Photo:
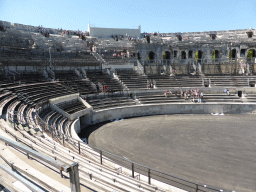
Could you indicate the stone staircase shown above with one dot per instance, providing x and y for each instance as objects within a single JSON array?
[
  {"x": 132, "y": 79},
  {"x": 110, "y": 84}
]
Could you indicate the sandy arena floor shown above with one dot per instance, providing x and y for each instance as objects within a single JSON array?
[{"x": 218, "y": 151}]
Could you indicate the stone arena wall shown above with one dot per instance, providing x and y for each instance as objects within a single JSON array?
[{"x": 162, "y": 109}]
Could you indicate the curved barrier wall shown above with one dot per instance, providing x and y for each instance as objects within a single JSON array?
[
  {"x": 160, "y": 109},
  {"x": 177, "y": 108},
  {"x": 147, "y": 174}
]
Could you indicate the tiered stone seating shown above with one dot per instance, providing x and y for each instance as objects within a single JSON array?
[
  {"x": 14, "y": 79},
  {"x": 58, "y": 122},
  {"x": 30, "y": 77},
  {"x": 221, "y": 98},
  {"x": 13, "y": 107},
  {"x": 221, "y": 36},
  {"x": 164, "y": 80},
  {"x": 55, "y": 121},
  {"x": 251, "y": 97},
  {"x": 68, "y": 42},
  {"x": 110, "y": 102},
  {"x": 51, "y": 118},
  {"x": 21, "y": 111},
  {"x": 70, "y": 79},
  {"x": 6, "y": 101},
  {"x": 24, "y": 98},
  {"x": 81, "y": 86},
  {"x": 6, "y": 83},
  {"x": 41, "y": 42},
  {"x": 66, "y": 75},
  {"x": 34, "y": 93},
  {"x": 60, "y": 125},
  {"x": 4, "y": 94},
  {"x": 89, "y": 59},
  {"x": 108, "y": 57},
  {"x": 159, "y": 98},
  {"x": 191, "y": 81},
  {"x": 16, "y": 38},
  {"x": 178, "y": 81},
  {"x": 111, "y": 84},
  {"x": 230, "y": 81},
  {"x": 25, "y": 48},
  {"x": 132, "y": 79},
  {"x": 102, "y": 177},
  {"x": 71, "y": 106}
]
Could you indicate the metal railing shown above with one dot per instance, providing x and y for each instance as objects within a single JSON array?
[
  {"x": 109, "y": 159},
  {"x": 25, "y": 182},
  {"x": 71, "y": 169}
]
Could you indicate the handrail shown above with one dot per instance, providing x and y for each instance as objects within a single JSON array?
[
  {"x": 82, "y": 148},
  {"x": 37, "y": 155},
  {"x": 25, "y": 182},
  {"x": 71, "y": 169}
]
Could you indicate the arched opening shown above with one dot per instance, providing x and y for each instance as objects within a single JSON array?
[
  {"x": 175, "y": 54},
  {"x": 213, "y": 36},
  {"x": 166, "y": 55},
  {"x": 249, "y": 34},
  {"x": 179, "y": 37},
  {"x": 215, "y": 55},
  {"x": 190, "y": 54},
  {"x": 183, "y": 55},
  {"x": 151, "y": 55},
  {"x": 198, "y": 55},
  {"x": 2, "y": 28},
  {"x": 251, "y": 53},
  {"x": 242, "y": 52},
  {"x": 148, "y": 39},
  {"x": 232, "y": 54},
  {"x": 138, "y": 56}
]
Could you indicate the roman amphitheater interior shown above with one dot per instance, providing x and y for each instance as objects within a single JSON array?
[{"x": 57, "y": 83}]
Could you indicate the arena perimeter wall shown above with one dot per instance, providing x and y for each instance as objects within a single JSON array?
[{"x": 162, "y": 109}]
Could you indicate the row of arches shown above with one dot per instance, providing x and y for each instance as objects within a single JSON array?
[
  {"x": 251, "y": 53},
  {"x": 167, "y": 55},
  {"x": 198, "y": 54}
]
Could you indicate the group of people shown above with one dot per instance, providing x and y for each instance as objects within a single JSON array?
[
  {"x": 43, "y": 31},
  {"x": 145, "y": 34},
  {"x": 121, "y": 37},
  {"x": 117, "y": 55},
  {"x": 81, "y": 34},
  {"x": 116, "y": 37},
  {"x": 193, "y": 95}
]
